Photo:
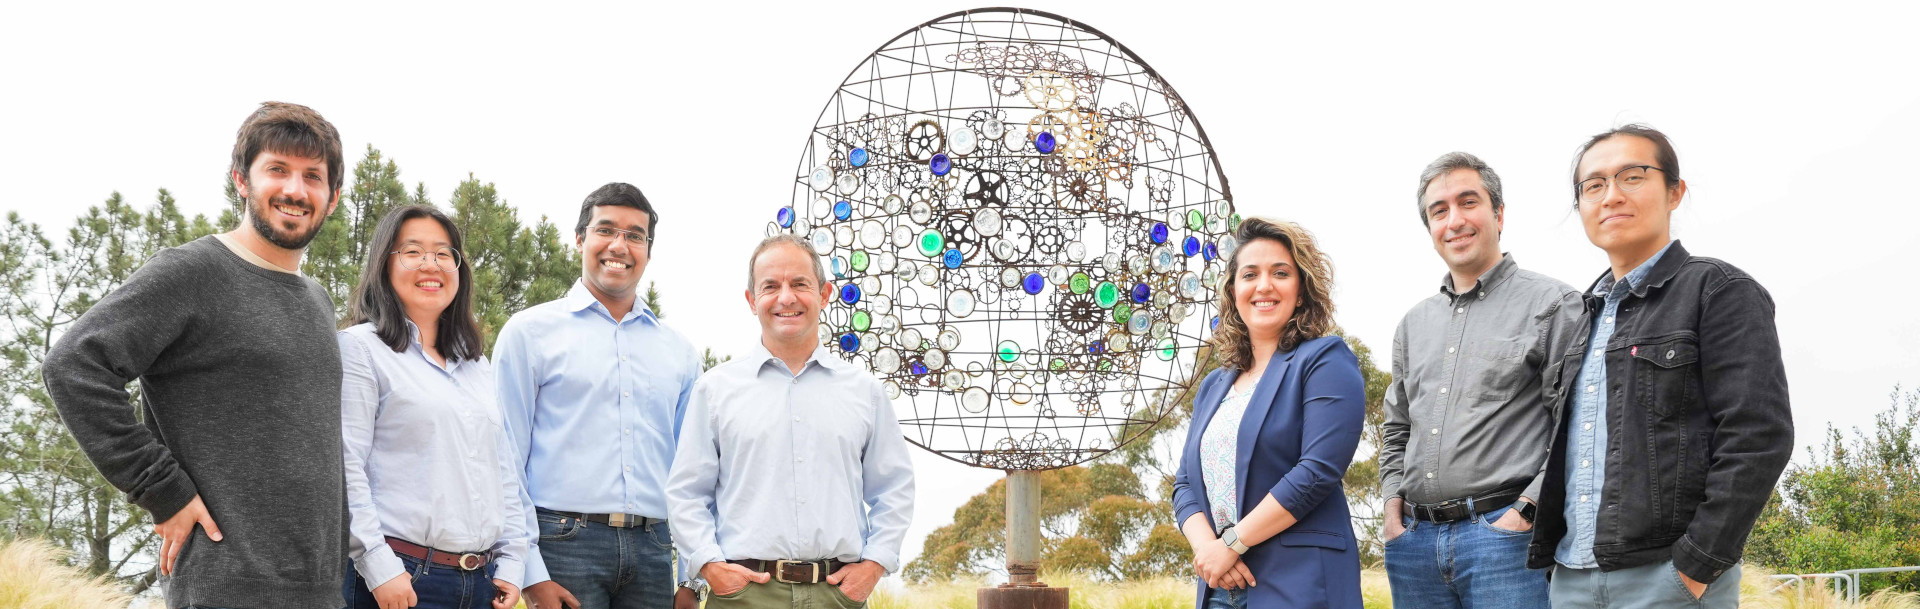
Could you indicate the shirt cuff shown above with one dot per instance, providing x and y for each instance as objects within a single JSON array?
[
  {"x": 379, "y": 565},
  {"x": 510, "y": 570},
  {"x": 535, "y": 568},
  {"x": 698, "y": 559},
  {"x": 888, "y": 561}
]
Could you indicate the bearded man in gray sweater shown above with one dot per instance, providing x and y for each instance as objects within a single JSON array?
[{"x": 236, "y": 451}]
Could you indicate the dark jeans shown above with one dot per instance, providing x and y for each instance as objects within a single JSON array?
[
  {"x": 606, "y": 567},
  {"x": 1468, "y": 563},
  {"x": 437, "y": 586},
  {"x": 1222, "y": 598}
]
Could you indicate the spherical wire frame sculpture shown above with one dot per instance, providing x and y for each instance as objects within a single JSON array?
[{"x": 1024, "y": 226}]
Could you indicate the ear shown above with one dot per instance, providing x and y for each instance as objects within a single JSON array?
[
  {"x": 1500, "y": 220},
  {"x": 748, "y": 293},
  {"x": 826, "y": 293},
  {"x": 1679, "y": 191},
  {"x": 239, "y": 184},
  {"x": 332, "y": 205}
]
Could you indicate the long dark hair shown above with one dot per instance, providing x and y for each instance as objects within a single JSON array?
[{"x": 458, "y": 337}]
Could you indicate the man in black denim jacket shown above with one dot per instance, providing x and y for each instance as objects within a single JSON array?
[{"x": 1667, "y": 447}]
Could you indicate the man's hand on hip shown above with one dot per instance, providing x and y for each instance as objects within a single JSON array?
[
  {"x": 856, "y": 580},
  {"x": 175, "y": 532},
  {"x": 727, "y": 578},
  {"x": 549, "y": 595}
]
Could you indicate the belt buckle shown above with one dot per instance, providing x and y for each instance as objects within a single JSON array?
[
  {"x": 618, "y": 521},
  {"x": 479, "y": 560},
  {"x": 780, "y": 571}
]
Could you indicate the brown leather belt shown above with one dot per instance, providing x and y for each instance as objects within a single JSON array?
[
  {"x": 1455, "y": 510},
  {"x": 794, "y": 571},
  {"x": 618, "y": 521},
  {"x": 465, "y": 561}
]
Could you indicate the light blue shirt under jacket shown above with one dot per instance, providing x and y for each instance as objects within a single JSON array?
[
  {"x": 1587, "y": 426},
  {"x": 427, "y": 459},
  {"x": 774, "y": 465},
  {"x": 594, "y": 406}
]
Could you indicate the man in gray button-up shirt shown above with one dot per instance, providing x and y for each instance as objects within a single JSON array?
[{"x": 1468, "y": 417}]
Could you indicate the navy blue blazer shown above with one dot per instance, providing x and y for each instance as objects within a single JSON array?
[{"x": 1300, "y": 431}]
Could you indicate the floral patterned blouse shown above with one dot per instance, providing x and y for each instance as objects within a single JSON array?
[{"x": 1219, "y": 447}]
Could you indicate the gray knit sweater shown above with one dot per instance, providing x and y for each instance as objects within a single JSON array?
[{"x": 240, "y": 385}]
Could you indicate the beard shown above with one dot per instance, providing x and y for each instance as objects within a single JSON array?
[{"x": 283, "y": 240}]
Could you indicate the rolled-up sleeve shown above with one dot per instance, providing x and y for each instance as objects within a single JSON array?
[{"x": 1334, "y": 410}]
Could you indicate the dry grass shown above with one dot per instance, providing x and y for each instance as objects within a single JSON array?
[
  {"x": 1755, "y": 593},
  {"x": 33, "y": 577}
]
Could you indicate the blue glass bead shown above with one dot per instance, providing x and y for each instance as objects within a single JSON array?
[
  {"x": 1044, "y": 143},
  {"x": 1098, "y": 347},
  {"x": 951, "y": 259},
  {"x": 784, "y": 217},
  {"x": 850, "y": 293},
  {"x": 1191, "y": 246},
  {"x": 1159, "y": 232},
  {"x": 919, "y": 368},
  {"x": 1215, "y": 325},
  {"x": 1141, "y": 292},
  {"x": 1212, "y": 251},
  {"x": 842, "y": 210},
  {"x": 849, "y": 342},
  {"x": 858, "y": 157},
  {"x": 940, "y": 164},
  {"x": 1034, "y": 283}
]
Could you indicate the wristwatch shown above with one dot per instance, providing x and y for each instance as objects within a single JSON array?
[
  {"x": 1526, "y": 510},
  {"x": 699, "y": 587},
  {"x": 1232, "y": 539}
]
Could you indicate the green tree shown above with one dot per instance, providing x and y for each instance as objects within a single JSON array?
[
  {"x": 337, "y": 255},
  {"x": 521, "y": 266},
  {"x": 1855, "y": 503},
  {"x": 51, "y": 490},
  {"x": 1099, "y": 518}
]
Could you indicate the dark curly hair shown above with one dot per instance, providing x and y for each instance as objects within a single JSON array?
[{"x": 1312, "y": 318}]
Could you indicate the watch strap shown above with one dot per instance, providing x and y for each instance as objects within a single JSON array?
[{"x": 1232, "y": 538}]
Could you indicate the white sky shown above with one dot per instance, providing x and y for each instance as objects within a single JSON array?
[{"x": 1795, "y": 126}]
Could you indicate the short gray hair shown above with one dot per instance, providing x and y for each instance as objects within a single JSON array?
[
  {"x": 1453, "y": 161},
  {"x": 819, "y": 272}
]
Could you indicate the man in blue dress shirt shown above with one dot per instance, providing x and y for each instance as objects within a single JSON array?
[
  {"x": 593, "y": 388},
  {"x": 793, "y": 486}
]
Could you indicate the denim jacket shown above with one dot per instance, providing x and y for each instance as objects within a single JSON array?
[{"x": 1699, "y": 428}]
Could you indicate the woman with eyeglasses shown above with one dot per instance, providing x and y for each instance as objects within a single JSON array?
[
  {"x": 1258, "y": 491},
  {"x": 1673, "y": 424},
  {"x": 434, "y": 506}
]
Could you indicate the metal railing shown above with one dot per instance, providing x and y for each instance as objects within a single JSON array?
[{"x": 1845, "y": 582}]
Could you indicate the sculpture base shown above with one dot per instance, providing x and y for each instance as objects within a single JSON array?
[{"x": 1023, "y": 596}]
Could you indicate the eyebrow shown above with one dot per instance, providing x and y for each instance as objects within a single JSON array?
[
  {"x": 632, "y": 227},
  {"x": 419, "y": 242},
  {"x": 1256, "y": 266}
]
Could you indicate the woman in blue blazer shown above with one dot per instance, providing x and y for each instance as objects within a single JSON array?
[{"x": 1258, "y": 491}]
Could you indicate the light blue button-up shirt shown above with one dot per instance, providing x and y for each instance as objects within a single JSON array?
[
  {"x": 427, "y": 459},
  {"x": 774, "y": 465},
  {"x": 1586, "y": 465},
  {"x": 594, "y": 406}
]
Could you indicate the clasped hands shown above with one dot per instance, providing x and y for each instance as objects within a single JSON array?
[{"x": 1220, "y": 566}]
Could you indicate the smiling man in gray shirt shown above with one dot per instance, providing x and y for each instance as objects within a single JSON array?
[{"x": 1468, "y": 416}]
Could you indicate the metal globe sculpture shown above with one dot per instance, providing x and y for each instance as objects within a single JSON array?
[{"x": 1024, "y": 226}]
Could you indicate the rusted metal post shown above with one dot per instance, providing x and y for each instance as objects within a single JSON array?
[{"x": 1023, "y": 589}]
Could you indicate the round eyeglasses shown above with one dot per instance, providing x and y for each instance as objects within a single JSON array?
[
  {"x": 413, "y": 258},
  {"x": 1627, "y": 180}
]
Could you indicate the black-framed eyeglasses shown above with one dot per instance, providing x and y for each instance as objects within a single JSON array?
[
  {"x": 413, "y": 258},
  {"x": 634, "y": 237},
  {"x": 1628, "y": 180}
]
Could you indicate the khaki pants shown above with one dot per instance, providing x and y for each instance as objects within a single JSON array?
[{"x": 776, "y": 595}]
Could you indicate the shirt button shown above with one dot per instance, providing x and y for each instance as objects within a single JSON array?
[
  {"x": 1443, "y": 390},
  {"x": 1609, "y": 319},
  {"x": 1460, "y": 310},
  {"x": 1449, "y": 349},
  {"x": 800, "y": 460},
  {"x": 1586, "y": 427},
  {"x": 1590, "y": 388},
  {"x": 1596, "y": 353},
  {"x": 1586, "y": 463},
  {"x": 629, "y": 469},
  {"x": 1669, "y": 354},
  {"x": 1436, "y": 431},
  {"x": 796, "y": 419},
  {"x": 626, "y": 394},
  {"x": 627, "y": 431},
  {"x": 1583, "y": 498},
  {"x": 803, "y": 499},
  {"x": 1429, "y": 474}
]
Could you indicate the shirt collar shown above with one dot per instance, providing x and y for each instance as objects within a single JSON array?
[
  {"x": 579, "y": 299},
  {"x": 1636, "y": 279},
  {"x": 1487, "y": 281},
  {"x": 828, "y": 362}
]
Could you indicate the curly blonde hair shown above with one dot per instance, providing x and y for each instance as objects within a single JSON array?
[{"x": 1312, "y": 318}]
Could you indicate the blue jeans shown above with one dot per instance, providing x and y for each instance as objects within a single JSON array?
[
  {"x": 1468, "y": 564},
  {"x": 607, "y": 567},
  {"x": 1222, "y": 598},
  {"x": 1652, "y": 586},
  {"x": 437, "y": 586}
]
